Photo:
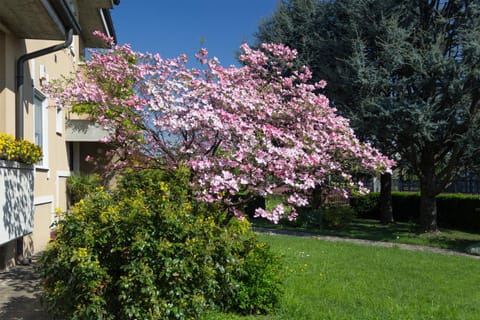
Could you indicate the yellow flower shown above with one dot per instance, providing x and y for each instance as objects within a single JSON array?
[
  {"x": 82, "y": 253},
  {"x": 163, "y": 186},
  {"x": 19, "y": 150}
]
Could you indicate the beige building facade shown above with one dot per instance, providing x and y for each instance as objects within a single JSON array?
[{"x": 36, "y": 36}]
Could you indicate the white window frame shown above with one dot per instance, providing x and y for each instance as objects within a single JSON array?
[{"x": 40, "y": 97}]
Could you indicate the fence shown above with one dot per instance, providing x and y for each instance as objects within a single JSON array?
[{"x": 471, "y": 186}]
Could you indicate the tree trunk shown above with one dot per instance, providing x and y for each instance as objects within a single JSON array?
[
  {"x": 428, "y": 212},
  {"x": 316, "y": 200},
  {"x": 428, "y": 202},
  {"x": 386, "y": 212}
]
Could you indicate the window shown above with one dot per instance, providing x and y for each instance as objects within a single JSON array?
[{"x": 41, "y": 126}]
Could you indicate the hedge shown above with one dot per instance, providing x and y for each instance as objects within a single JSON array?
[{"x": 455, "y": 211}]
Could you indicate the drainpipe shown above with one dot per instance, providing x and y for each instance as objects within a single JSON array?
[{"x": 20, "y": 68}]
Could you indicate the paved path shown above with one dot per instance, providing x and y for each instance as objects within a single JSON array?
[{"x": 19, "y": 294}]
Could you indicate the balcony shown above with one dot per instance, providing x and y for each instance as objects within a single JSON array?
[
  {"x": 16, "y": 200},
  {"x": 83, "y": 130}
]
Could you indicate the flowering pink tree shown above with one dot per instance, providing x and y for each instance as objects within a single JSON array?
[{"x": 259, "y": 129}]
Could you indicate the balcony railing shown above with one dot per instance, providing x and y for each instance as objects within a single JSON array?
[{"x": 16, "y": 200}]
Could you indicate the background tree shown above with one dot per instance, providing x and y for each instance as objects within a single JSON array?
[
  {"x": 323, "y": 34},
  {"x": 413, "y": 66},
  {"x": 428, "y": 67},
  {"x": 317, "y": 30}
]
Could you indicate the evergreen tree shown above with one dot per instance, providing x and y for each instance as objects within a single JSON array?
[
  {"x": 317, "y": 31},
  {"x": 425, "y": 81},
  {"x": 323, "y": 34},
  {"x": 412, "y": 73}
]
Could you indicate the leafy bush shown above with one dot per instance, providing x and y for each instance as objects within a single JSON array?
[
  {"x": 367, "y": 205},
  {"x": 256, "y": 292},
  {"x": 307, "y": 218},
  {"x": 459, "y": 211},
  {"x": 79, "y": 185},
  {"x": 148, "y": 251},
  {"x": 19, "y": 150},
  {"x": 338, "y": 216},
  {"x": 406, "y": 206}
]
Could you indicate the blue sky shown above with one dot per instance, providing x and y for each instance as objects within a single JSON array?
[{"x": 172, "y": 27}]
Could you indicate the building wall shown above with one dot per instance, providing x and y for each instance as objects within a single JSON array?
[
  {"x": 50, "y": 177},
  {"x": 42, "y": 221},
  {"x": 9, "y": 48},
  {"x": 9, "y": 51}
]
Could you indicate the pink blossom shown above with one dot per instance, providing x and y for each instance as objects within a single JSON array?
[
  {"x": 202, "y": 55},
  {"x": 246, "y": 129},
  {"x": 293, "y": 215}
]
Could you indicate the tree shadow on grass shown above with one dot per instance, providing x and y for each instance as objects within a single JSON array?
[
  {"x": 451, "y": 243},
  {"x": 402, "y": 232},
  {"x": 371, "y": 230}
]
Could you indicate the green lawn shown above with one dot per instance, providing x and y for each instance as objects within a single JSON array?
[
  {"x": 398, "y": 233},
  {"x": 330, "y": 280}
]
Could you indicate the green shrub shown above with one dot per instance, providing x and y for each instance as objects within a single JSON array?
[
  {"x": 338, "y": 216},
  {"x": 257, "y": 294},
  {"x": 367, "y": 205},
  {"x": 454, "y": 210},
  {"x": 406, "y": 206},
  {"x": 307, "y": 218},
  {"x": 459, "y": 211},
  {"x": 79, "y": 185},
  {"x": 148, "y": 251}
]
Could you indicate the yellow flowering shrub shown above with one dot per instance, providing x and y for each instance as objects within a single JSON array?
[
  {"x": 148, "y": 250},
  {"x": 19, "y": 150}
]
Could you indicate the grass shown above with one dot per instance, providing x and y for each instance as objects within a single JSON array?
[
  {"x": 336, "y": 280},
  {"x": 397, "y": 233}
]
